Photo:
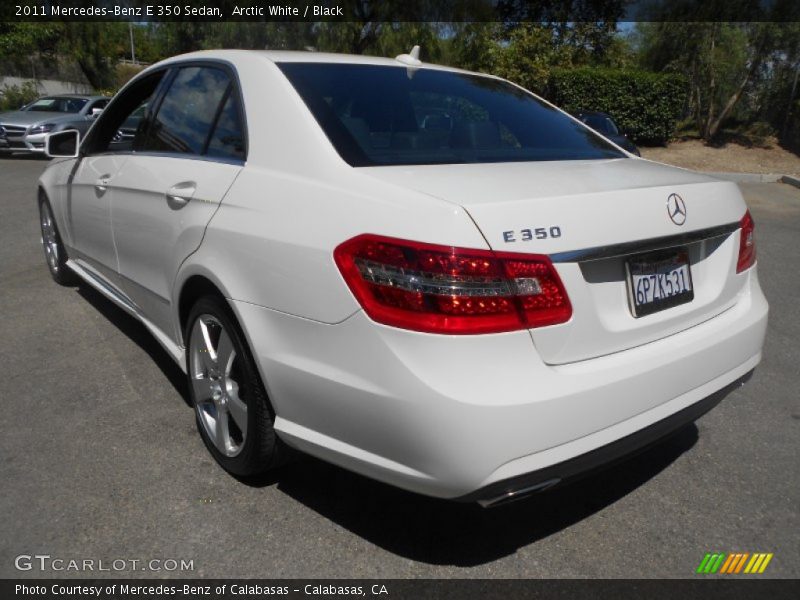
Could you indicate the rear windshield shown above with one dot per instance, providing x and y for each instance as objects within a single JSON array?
[{"x": 384, "y": 115}]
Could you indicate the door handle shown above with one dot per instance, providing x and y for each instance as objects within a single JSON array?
[
  {"x": 180, "y": 193},
  {"x": 101, "y": 185}
]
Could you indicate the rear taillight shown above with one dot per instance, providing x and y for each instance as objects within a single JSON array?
[
  {"x": 441, "y": 289},
  {"x": 747, "y": 244}
]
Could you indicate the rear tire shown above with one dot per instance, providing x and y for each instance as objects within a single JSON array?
[
  {"x": 232, "y": 410},
  {"x": 54, "y": 252}
]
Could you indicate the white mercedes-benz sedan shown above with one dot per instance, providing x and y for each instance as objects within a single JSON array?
[{"x": 428, "y": 276}]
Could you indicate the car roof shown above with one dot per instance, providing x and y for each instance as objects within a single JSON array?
[
  {"x": 307, "y": 56},
  {"x": 80, "y": 96}
]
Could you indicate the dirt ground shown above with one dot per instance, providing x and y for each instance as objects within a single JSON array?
[{"x": 694, "y": 154}]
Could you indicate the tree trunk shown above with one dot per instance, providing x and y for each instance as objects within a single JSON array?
[
  {"x": 696, "y": 98},
  {"x": 712, "y": 87},
  {"x": 790, "y": 110},
  {"x": 734, "y": 99},
  {"x": 697, "y": 109}
]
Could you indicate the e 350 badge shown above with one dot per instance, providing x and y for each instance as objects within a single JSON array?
[{"x": 536, "y": 233}]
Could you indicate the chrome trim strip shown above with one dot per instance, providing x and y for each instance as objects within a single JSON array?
[
  {"x": 659, "y": 243},
  {"x": 202, "y": 157}
]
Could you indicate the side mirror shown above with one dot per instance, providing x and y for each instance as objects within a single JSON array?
[
  {"x": 96, "y": 112},
  {"x": 63, "y": 144}
]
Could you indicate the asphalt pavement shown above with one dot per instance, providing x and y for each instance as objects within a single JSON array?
[{"x": 100, "y": 459}]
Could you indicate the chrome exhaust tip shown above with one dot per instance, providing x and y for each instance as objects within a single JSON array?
[{"x": 519, "y": 494}]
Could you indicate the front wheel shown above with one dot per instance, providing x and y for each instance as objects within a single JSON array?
[
  {"x": 54, "y": 251},
  {"x": 233, "y": 413}
]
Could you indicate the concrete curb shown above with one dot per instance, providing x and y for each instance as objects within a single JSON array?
[
  {"x": 788, "y": 179},
  {"x": 756, "y": 178},
  {"x": 749, "y": 177}
]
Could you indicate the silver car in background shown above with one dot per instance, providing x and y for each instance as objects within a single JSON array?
[{"x": 24, "y": 130}]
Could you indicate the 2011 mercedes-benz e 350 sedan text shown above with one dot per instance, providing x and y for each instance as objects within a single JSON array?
[{"x": 427, "y": 276}]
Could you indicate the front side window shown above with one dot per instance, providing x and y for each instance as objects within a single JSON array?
[
  {"x": 188, "y": 111},
  {"x": 386, "y": 115},
  {"x": 58, "y": 104},
  {"x": 122, "y": 125},
  {"x": 199, "y": 114}
]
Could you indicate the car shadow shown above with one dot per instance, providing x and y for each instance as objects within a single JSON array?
[
  {"x": 443, "y": 532},
  {"x": 25, "y": 156},
  {"x": 416, "y": 527},
  {"x": 138, "y": 334}
]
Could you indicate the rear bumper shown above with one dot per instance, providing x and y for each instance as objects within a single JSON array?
[
  {"x": 467, "y": 416},
  {"x": 600, "y": 458}
]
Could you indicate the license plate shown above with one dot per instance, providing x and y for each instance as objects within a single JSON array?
[{"x": 658, "y": 281}]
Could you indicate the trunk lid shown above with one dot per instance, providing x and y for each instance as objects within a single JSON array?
[{"x": 592, "y": 216}]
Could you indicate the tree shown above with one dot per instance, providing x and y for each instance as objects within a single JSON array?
[
  {"x": 21, "y": 43},
  {"x": 26, "y": 39},
  {"x": 474, "y": 46},
  {"x": 259, "y": 36},
  {"x": 532, "y": 52},
  {"x": 96, "y": 47},
  {"x": 724, "y": 61},
  {"x": 527, "y": 52}
]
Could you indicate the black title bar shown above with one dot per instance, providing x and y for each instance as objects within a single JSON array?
[
  {"x": 441, "y": 11},
  {"x": 394, "y": 589}
]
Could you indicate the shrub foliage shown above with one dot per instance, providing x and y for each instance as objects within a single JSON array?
[
  {"x": 645, "y": 105},
  {"x": 13, "y": 97}
]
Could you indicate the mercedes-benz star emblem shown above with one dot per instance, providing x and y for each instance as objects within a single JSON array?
[{"x": 676, "y": 209}]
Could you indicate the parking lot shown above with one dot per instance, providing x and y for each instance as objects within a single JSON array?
[{"x": 100, "y": 459}]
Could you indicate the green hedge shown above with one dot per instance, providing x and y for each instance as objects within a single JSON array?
[
  {"x": 13, "y": 97},
  {"x": 645, "y": 105}
]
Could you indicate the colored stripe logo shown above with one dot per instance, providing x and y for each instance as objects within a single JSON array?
[{"x": 734, "y": 563}]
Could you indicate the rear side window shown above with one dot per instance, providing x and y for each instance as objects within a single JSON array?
[
  {"x": 387, "y": 115},
  {"x": 227, "y": 139},
  {"x": 187, "y": 113}
]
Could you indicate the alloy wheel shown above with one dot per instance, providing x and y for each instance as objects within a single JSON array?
[
  {"x": 49, "y": 237},
  {"x": 216, "y": 376}
]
